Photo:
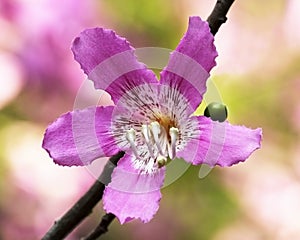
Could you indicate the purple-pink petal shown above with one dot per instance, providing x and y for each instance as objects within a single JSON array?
[
  {"x": 191, "y": 92},
  {"x": 133, "y": 195},
  {"x": 189, "y": 65},
  {"x": 198, "y": 43},
  {"x": 109, "y": 61},
  {"x": 79, "y": 137},
  {"x": 221, "y": 144}
]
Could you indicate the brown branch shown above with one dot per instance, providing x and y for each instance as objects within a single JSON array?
[
  {"x": 83, "y": 207},
  {"x": 218, "y": 15},
  {"x": 101, "y": 228}
]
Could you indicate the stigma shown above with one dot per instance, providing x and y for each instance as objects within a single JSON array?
[{"x": 158, "y": 140}]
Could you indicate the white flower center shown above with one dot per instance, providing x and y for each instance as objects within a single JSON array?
[
  {"x": 161, "y": 144},
  {"x": 154, "y": 122}
]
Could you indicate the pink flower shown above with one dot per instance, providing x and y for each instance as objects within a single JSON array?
[{"x": 151, "y": 120}]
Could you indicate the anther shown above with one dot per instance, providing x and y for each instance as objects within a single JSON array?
[
  {"x": 131, "y": 136},
  {"x": 155, "y": 129},
  {"x": 161, "y": 161},
  {"x": 172, "y": 147},
  {"x": 145, "y": 131},
  {"x": 146, "y": 134}
]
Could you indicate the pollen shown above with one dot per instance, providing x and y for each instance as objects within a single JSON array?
[{"x": 166, "y": 122}]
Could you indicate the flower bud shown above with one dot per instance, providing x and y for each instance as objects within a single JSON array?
[{"x": 216, "y": 111}]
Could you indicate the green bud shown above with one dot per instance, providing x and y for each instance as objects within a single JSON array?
[{"x": 216, "y": 111}]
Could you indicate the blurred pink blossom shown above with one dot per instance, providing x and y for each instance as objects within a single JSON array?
[
  {"x": 46, "y": 29},
  {"x": 269, "y": 194},
  {"x": 43, "y": 189},
  {"x": 37, "y": 34},
  {"x": 10, "y": 80},
  {"x": 291, "y": 24}
]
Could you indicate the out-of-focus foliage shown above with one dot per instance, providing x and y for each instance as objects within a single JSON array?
[{"x": 147, "y": 23}]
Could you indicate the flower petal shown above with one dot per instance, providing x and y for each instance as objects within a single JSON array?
[
  {"x": 189, "y": 65},
  {"x": 221, "y": 144},
  {"x": 198, "y": 43},
  {"x": 109, "y": 61},
  {"x": 73, "y": 139},
  {"x": 132, "y": 195}
]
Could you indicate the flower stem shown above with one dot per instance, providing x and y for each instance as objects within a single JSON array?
[{"x": 83, "y": 207}]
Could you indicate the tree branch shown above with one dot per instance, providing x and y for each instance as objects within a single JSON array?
[
  {"x": 218, "y": 15},
  {"x": 102, "y": 227},
  {"x": 83, "y": 207}
]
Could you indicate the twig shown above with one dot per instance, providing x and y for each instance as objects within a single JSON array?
[
  {"x": 83, "y": 207},
  {"x": 218, "y": 15},
  {"x": 101, "y": 228}
]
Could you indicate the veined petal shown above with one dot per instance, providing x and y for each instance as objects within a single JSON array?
[
  {"x": 109, "y": 61},
  {"x": 221, "y": 144},
  {"x": 75, "y": 137},
  {"x": 189, "y": 65},
  {"x": 198, "y": 44},
  {"x": 133, "y": 195}
]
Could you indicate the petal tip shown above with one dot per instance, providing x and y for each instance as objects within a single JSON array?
[
  {"x": 129, "y": 205},
  {"x": 94, "y": 45},
  {"x": 198, "y": 43},
  {"x": 257, "y": 139}
]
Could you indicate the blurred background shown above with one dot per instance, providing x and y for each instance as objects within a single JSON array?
[{"x": 258, "y": 76}]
